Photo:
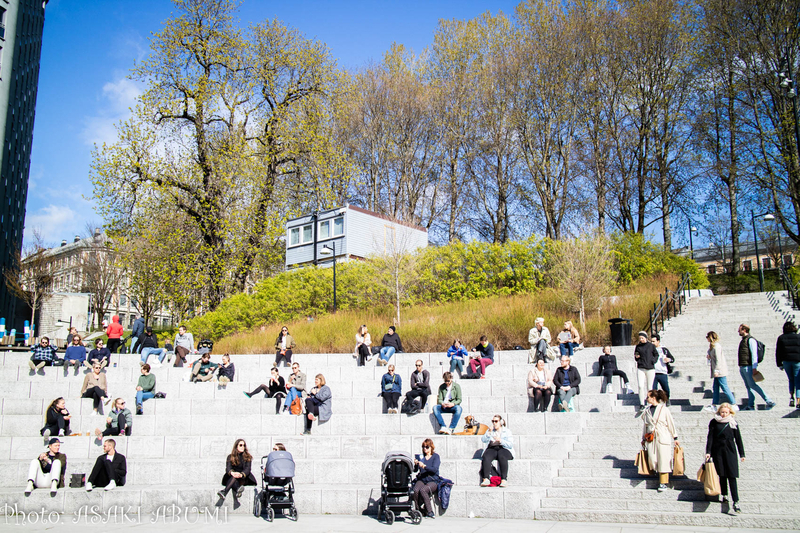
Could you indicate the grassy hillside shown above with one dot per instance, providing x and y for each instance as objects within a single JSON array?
[{"x": 431, "y": 328}]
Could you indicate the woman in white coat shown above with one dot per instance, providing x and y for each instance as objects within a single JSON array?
[{"x": 658, "y": 436}]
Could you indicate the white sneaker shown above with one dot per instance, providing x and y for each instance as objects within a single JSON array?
[
  {"x": 735, "y": 408},
  {"x": 88, "y": 487},
  {"x": 286, "y": 412},
  {"x": 610, "y": 389},
  {"x": 630, "y": 391},
  {"x": 54, "y": 487},
  {"x": 442, "y": 430},
  {"x": 710, "y": 408},
  {"x": 111, "y": 485},
  {"x": 29, "y": 488}
]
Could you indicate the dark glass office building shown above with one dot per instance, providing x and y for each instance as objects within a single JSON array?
[{"x": 21, "y": 25}]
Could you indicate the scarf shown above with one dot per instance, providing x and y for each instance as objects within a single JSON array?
[{"x": 726, "y": 420}]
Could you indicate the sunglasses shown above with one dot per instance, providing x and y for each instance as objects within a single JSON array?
[
  {"x": 241, "y": 445},
  {"x": 417, "y": 365},
  {"x": 495, "y": 420},
  {"x": 426, "y": 446},
  {"x": 121, "y": 403}
]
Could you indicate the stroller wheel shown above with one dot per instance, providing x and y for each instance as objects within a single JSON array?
[
  {"x": 293, "y": 514},
  {"x": 270, "y": 514},
  {"x": 389, "y": 516},
  {"x": 416, "y": 516}
]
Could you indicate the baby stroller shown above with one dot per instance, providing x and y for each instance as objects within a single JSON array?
[
  {"x": 277, "y": 486},
  {"x": 397, "y": 491}
]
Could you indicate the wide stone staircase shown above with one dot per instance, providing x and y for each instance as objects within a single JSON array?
[
  {"x": 599, "y": 482},
  {"x": 575, "y": 466}
]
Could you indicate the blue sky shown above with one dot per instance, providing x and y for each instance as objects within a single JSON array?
[{"x": 91, "y": 45}]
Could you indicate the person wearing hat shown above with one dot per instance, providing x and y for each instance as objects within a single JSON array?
[
  {"x": 646, "y": 357},
  {"x": 48, "y": 469}
]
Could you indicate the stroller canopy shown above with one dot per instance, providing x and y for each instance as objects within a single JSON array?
[
  {"x": 280, "y": 464},
  {"x": 401, "y": 456}
]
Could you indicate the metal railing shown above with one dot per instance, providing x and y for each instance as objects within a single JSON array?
[
  {"x": 670, "y": 304},
  {"x": 790, "y": 287}
]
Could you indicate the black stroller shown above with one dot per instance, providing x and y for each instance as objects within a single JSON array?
[
  {"x": 397, "y": 491},
  {"x": 277, "y": 486}
]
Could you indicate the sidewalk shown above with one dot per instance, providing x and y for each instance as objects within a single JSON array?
[{"x": 331, "y": 523}]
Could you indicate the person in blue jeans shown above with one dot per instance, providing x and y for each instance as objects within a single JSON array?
[
  {"x": 719, "y": 371},
  {"x": 457, "y": 354},
  {"x": 390, "y": 344},
  {"x": 295, "y": 386},
  {"x": 448, "y": 401},
  {"x": 149, "y": 344},
  {"x": 787, "y": 356},
  {"x": 145, "y": 388},
  {"x": 748, "y": 363}
]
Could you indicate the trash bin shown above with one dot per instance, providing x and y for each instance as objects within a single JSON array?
[{"x": 621, "y": 331}]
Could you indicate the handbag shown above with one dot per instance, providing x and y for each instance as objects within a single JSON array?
[
  {"x": 758, "y": 377},
  {"x": 296, "y": 407},
  {"x": 643, "y": 464},
  {"x": 708, "y": 475},
  {"x": 389, "y": 386},
  {"x": 678, "y": 466},
  {"x": 77, "y": 481}
]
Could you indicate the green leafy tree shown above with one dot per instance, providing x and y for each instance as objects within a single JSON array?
[{"x": 231, "y": 132}]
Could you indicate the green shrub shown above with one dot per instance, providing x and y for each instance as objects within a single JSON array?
[{"x": 637, "y": 258}]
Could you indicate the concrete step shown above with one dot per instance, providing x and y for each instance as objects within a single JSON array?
[
  {"x": 507, "y": 503},
  {"x": 703, "y": 516},
  {"x": 665, "y": 504}
]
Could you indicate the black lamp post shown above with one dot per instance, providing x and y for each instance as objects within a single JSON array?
[
  {"x": 767, "y": 216},
  {"x": 692, "y": 229},
  {"x": 788, "y": 84},
  {"x": 332, "y": 250}
]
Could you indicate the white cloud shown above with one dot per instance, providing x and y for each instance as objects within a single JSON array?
[
  {"x": 117, "y": 98},
  {"x": 58, "y": 222}
]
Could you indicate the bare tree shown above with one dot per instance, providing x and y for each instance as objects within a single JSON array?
[
  {"x": 101, "y": 272},
  {"x": 30, "y": 278},
  {"x": 582, "y": 270}
]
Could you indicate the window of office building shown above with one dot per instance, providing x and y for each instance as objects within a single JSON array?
[
  {"x": 712, "y": 269},
  {"x": 747, "y": 266},
  {"x": 766, "y": 263}
]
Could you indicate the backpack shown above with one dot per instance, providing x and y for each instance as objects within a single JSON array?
[
  {"x": 760, "y": 349},
  {"x": 296, "y": 407}
]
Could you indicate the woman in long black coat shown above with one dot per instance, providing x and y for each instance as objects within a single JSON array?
[
  {"x": 237, "y": 470},
  {"x": 722, "y": 444}
]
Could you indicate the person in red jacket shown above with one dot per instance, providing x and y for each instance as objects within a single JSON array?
[{"x": 114, "y": 332}]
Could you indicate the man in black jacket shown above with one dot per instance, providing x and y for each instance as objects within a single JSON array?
[
  {"x": 567, "y": 380},
  {"x": 420, "y": 386},
  {"x": 787, "y": 356},
  {"x": 646, "y": 357},
  {"x": 109, "y": 470},
  {"x": 748, "y": 363}
]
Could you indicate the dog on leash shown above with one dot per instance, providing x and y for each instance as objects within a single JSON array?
[{"x": 472, "y": 427}]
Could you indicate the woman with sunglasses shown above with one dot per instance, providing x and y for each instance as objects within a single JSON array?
[
  {"x": 283, "y": 347},
  {"x": 498, "y": 444},
  {"x": 391, "y": 389},
  {"x": 237, "y": 471},
  {"x": 427, "y": 482},
  {"x": 95, "y": 387},
  {"x": 118, "y": 422}
]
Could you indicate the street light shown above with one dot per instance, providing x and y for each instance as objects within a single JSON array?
[
  {"x": 692, "y": 229},
  {"x": 767, "y": 216},
  {"x": 328, "y": 250},
  {"x": 787, "y": 83}
]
